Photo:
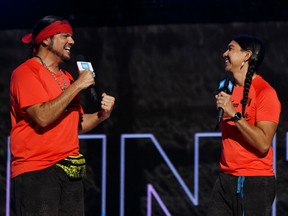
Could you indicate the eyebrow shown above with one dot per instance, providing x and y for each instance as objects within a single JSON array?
[{"x": 231, "y": 45}]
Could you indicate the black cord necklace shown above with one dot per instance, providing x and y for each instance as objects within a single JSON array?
[{"x": 53, "y": 75}]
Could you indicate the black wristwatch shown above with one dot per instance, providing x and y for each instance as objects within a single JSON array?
[{"x": 236, "y": 117}]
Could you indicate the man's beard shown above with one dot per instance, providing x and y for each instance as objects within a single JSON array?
[{"x": 57, "y": 53}]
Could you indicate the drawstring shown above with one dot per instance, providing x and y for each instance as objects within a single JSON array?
[{"x": 240, "y": 189}]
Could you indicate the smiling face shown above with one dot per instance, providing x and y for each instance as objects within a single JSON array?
[
  {"x": 60, "y": 45},
  {"x": 234, "y": 57}
]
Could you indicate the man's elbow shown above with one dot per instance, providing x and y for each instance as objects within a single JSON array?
[
  {"x": 263, "y": 150},
  {"x": 42, "y": 122}
]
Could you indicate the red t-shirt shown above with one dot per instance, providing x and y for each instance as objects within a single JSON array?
[
  {"x": 238, "y": 157},
  {"x": 34, "y": 147}
]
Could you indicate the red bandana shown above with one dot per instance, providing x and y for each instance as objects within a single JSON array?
[{"x": 55, "y": 28}]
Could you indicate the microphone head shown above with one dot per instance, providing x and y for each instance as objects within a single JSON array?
[{"x": 227, "y": 84}]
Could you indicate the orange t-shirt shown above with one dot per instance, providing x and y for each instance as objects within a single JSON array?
[
  {"x": 238, "y": 157},
  {"x": 34, "y": 147}
]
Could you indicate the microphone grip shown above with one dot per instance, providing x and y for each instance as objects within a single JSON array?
[
  {"x": 93, "y": 93},
  {"x": 81, "y": 58},
  {"x": 220, "y": 116}
]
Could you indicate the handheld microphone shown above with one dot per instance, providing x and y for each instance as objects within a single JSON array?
[
  {"x": 226, "y": 85},
  {"x": 82, "y": 64}
]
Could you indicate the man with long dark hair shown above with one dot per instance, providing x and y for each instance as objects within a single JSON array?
[{"x": 47, "y": 167}]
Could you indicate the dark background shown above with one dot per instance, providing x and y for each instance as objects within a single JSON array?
[
  {"x": 162, "y": 61},
  {"x": 22, "y": 14}
]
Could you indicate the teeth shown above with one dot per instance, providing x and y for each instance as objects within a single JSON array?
[{"x": 67, "y": 50}]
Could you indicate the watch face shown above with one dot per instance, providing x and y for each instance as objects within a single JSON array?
[{"x": 238, "y": 115}]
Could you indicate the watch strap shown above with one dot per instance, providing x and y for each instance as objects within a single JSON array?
[{"x": 235, "y": 118}]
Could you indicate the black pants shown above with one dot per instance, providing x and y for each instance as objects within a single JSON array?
[
  {"x": 256, "y": 199},
  {"x": 47, "y": 192}
]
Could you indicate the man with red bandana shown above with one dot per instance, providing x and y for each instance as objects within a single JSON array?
[{"x": 46, "y": 118}]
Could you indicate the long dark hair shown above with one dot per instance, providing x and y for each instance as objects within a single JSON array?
[
  {"x": 39, "y": 26},
  {"x": 256, "y": 46}
]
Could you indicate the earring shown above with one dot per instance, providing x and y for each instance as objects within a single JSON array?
[{"x": 242, "y": 65}]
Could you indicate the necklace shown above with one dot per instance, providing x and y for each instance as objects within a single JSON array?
[{"x": 53, "y": 75}]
